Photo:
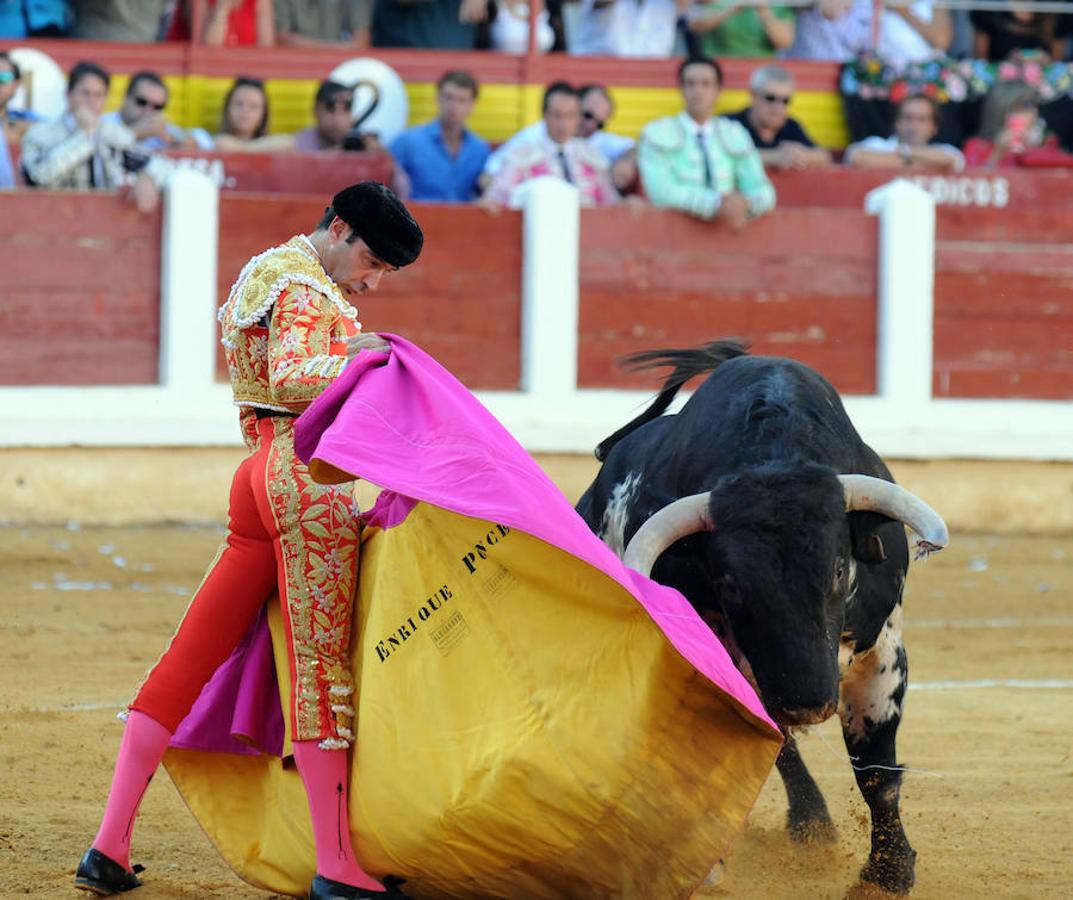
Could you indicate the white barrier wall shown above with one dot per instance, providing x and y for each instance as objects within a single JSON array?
[{"x": 549, "y": 414}]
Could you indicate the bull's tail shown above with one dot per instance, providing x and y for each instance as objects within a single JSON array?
[{"x": 687, "y": 364}]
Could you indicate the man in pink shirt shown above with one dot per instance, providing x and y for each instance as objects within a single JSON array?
[{"x": 562, "y": 154}]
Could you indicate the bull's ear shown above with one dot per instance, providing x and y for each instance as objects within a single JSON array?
[{"x": 866, "y": 544}]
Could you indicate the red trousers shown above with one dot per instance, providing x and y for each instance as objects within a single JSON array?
[{"x": 286, "y": 532}]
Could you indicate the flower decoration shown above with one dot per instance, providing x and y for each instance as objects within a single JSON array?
[{"x": 956, "y": 81}]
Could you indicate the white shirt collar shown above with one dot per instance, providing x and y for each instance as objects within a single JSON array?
[
  {"x": 708, "y": 128},
  {"x": 312, "y": 248},
  {"x": 555, "y": 148}
]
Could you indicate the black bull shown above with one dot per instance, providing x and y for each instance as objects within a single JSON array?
[{"x": 806, "y": 595}]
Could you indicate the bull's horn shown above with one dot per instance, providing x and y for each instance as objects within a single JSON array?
[
  {"x": 676, "y": 520},
  {"x": 863, "y": 492}
]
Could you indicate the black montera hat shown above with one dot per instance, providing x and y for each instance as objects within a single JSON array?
[{"x": 380, "y": 219}]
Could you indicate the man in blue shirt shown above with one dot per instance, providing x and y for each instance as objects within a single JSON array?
[{"x": 442, "y": 160}]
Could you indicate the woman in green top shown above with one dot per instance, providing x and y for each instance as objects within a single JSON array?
[{"x": 731, "y": 29}]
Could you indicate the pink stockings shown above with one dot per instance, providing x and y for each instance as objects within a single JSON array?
[
  {"x": 323, "y": 772},
  {"x": 140, "y": 751}
]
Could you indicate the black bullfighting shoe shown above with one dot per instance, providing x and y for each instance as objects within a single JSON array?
[
  {"x": 326, "y": 889},
  {"x": 104, "y": 876}
]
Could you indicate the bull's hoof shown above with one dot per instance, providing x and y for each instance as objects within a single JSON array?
[
  {"x": 894, "y": 872},
  {"x": 812, "y": 831}
]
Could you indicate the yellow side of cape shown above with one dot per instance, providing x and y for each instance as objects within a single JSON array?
[{"x": 523, "y": 730}]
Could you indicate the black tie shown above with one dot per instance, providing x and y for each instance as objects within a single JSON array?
[
  {"x": 704, "y": 156},
  {"x": 566, "y": 168}
]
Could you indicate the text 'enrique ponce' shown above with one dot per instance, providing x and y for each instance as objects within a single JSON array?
[
  {"x": 407, "y": 629},
  {"x": 481, "y": 548}
]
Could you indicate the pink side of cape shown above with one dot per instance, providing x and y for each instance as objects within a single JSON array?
[{"x": 403, "y": 422}]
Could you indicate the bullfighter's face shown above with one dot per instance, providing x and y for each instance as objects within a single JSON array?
[{"x": 350, "y": 263}]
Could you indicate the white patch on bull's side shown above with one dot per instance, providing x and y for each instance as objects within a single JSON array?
[
  {"x": 617, "y": 513},
  {"x": 870, "y": 679}
]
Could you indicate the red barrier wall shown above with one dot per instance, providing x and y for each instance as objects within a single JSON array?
[
  {"x": 80, "y": 289},
  {"x": 1004, "y": 304},
  {"x": 79, "y": 301},
  {"x": 412, "y": 65},
  {"x": 461, "y": 301},
  {"x": 801, "y": 283},
  {"x": 299, "y": 173},
  {"x": 983, "y": 189}
]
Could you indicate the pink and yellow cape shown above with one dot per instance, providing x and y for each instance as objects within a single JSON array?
[{"x": 533, "y": 718}]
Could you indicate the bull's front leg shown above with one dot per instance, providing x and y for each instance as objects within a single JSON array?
[
  {"x": 870, "y": 705},
  {"x": 808, "y": 820}
]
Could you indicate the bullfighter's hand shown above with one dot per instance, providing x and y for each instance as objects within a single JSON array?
[
  {"x": 733, "y": 211},
  {"x": 367, "y": 340}
]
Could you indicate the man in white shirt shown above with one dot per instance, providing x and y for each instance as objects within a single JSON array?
[
  {"x": 627, "y": 27},
  {"x": 916, "y": 122},
  {"x": 914, "y": 33}
]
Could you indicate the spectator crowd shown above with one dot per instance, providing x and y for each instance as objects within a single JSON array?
[
  {"x": 832, "y": 30},
  {"x": 709, "y": 166}
]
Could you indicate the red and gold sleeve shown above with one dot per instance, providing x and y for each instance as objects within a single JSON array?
[{"x": 300, "y": 361}]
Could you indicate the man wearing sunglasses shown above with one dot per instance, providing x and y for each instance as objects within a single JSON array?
[
  {"x": 596, "y": 108},
  {"x": 780, "y": 140},
  {"x": 142, "y": 112}
]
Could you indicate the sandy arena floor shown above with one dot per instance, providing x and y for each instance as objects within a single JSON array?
[{"x": 988, "y": 728}]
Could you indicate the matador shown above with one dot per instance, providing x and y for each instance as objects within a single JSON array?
[{"x": 288, "y": 328}]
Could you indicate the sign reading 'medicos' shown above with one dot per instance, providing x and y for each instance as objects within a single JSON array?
[{"x": 966, "y": 190}]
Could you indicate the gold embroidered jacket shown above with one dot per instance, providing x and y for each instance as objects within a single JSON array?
[{"x": 284, "y": 325}]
